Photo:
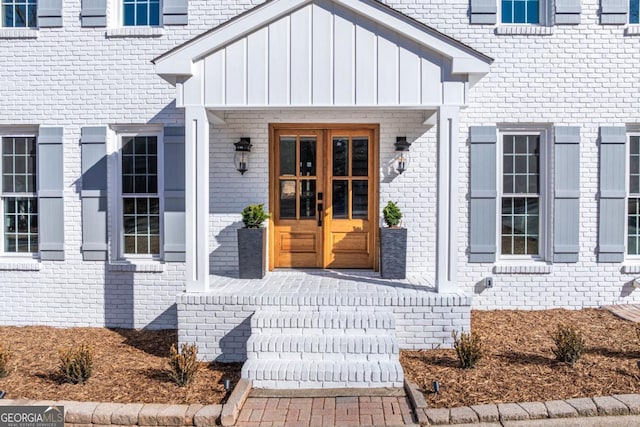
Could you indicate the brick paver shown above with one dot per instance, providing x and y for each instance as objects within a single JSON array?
[{"x": 326, "y": 411}]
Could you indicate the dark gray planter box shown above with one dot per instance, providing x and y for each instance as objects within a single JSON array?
[
  {"x": 393, "y": 253},
  {"x": 252, "y": 246}
]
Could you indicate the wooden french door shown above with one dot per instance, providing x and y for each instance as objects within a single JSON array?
[{"x": 323, "y": 193}]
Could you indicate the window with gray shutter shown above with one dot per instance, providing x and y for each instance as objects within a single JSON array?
[
  {"x": 483, "y": 11},
  {"x": 566, "y": 203},
  {"x": 567, "y": 12},
  {"x": 483, "y": 193},
  {"x": 50, "y": 193},
  {"x": 614, "y": 12},
  {"x": 94, "y": 193},
  {"x": 49, "y": 13},
  {"x": 175, "y": 12},
  {"x": 174, "y": 178},
  {"x": 611, "y": 213},
  {"x": 94, "y": 13}
]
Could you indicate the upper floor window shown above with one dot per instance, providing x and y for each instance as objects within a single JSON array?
[
  {"x": 19, "y": 13},
  {"x": 520, "y": 11},
  {"x": 521, "y": 195},
  {"x": 634, "y": 12},
  {"x": 19, "y": 197},
  {"x": 141, "y": 13},
  {"x": 140, "y": 196}
]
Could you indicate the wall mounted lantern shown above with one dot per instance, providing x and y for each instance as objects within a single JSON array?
[
  {"x": 402, "y": 150},
  {"x": 241, "y": 158}
]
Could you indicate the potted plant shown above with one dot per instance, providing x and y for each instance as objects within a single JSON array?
[
  {"x": 252, "y": 243},
  {"x": 393, "y": 244}
]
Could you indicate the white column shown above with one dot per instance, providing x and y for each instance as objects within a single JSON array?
[
  {"x": 447, "y": 216},
  {"x": 197, "y": 198}
]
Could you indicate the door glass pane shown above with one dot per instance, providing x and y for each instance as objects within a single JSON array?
[
  {"x": 360, "y": 208},
  {"x": 340, "y": 195},
  {"x": 308, "y": 198},
  {"x": 287, "y": 156},
  {"x": 287, "y": 199},
  {"x": 340, "y": 156},
  {"x": 360, "y": 165},
  {"x": 307, "y": 156}
]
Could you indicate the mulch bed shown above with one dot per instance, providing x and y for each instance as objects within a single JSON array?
[
  {"x": 519, "y": 365},
  {"x": 128, "y": 366}
]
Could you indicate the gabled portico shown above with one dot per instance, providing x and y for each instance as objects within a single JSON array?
[{"x": 315, "y": 56}]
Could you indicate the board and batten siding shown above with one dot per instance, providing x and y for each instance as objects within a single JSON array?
[{"x": 323, "y": 55}]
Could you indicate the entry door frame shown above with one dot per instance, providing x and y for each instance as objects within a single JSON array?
[{"x": 323, "y": 128}]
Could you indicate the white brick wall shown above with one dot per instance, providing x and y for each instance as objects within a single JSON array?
[{"x": 582, "y": 75}]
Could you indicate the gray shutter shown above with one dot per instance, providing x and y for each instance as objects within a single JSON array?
[
  {"x": 94, "y": 13},
  {"x": 483, "y": 194},
  {"x": 614, "y": 12},
  {"x": 567, "y": 12},
  {"x": 174, "y": 176},
  {"x": 49, "y": 13},
  {"x": 50, "y": 189},
  {"x": 175, "y": 12},
  {"x": 566, "y": 203},
  {"x": 94, "y": 193},
  {"x": 611, "y": 220},
  {"x": 483, "y": 11}
]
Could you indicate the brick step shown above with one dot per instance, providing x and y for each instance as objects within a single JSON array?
[
  {"x": 309, "y": 345},
  {"x": 289, "y": 374},
  {"x": 282, "y": 321}
]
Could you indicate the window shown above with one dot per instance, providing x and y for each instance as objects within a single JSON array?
[
  {"x": 19, "y": 199},
  {"x": 521, "y": 196},
  {"x": 520, "y": 11},
  {"x": 137, "y": 13},
  {"x": 19, "y": 13},
  {"x": 140, "y": 196},
  {"x": 634, "y": 12},
  {"x": 633, "y": 203}
]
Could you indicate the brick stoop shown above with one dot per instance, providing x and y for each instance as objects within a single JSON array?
[{"x": 343, "y": 347}]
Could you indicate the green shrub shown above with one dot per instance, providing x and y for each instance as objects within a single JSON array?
[
  {"x": 468, "y": 348},
  {"x": 183, "y": 364},
  {"x": 254, "y": 215},
  {"x": 569, "y": 344},
  {"x": 391, "y": 214},
  {"x": 76, "y": 364},
  {"x": 5, "y": 358}
]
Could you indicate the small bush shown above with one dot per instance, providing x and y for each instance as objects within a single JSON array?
[
  {"x": 76, "y": 364},
  {"x": 569, "y": 344},
  {"x": 184, "y": 364},
  {"x": 468, "y": 348},
  {"x": 391, "y": 214},
  {"x": 5, "y": 358},
  {"x": 254, "y": 215}
]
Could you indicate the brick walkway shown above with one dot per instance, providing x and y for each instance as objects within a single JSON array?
[{"x": 325, "y": 411}]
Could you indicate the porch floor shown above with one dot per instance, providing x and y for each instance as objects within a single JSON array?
[{"x": 307, "y": 282}]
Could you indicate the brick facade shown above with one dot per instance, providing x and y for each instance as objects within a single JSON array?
[{"x": 584, "y": 75}]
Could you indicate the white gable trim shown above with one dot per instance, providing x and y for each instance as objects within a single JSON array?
[{"x": 179, "y": 61}]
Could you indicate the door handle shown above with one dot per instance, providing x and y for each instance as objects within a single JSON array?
[{"x": 319, "y": 214}]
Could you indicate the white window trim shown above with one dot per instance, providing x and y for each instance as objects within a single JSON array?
[
  {"x": 117, "y": 226},
  {"x": 545, "y": 242},
  {"x": 18, "y": 32},
  {"x": 18, "y": 132},
  {"x": 635, "y": 259},
  {"x": 544, "y": 17},
  {"x": 115, "y": 17}
]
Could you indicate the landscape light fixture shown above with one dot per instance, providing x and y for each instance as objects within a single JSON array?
[
  {"x": 402, "y": 150},
  {"x": 241, "y": 158}
]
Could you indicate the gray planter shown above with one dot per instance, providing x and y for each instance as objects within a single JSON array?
[
  {"x": 393, "y": 253},
  {"x": 252, "y": 246}
]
